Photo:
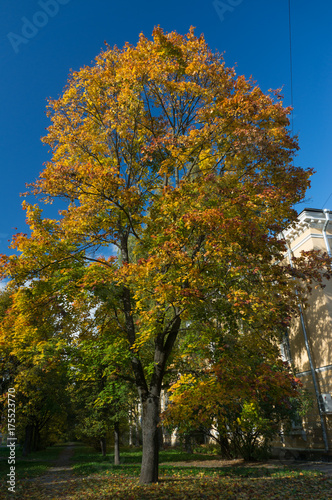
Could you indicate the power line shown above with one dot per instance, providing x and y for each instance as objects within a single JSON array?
[
  {"x": 326, "y": 201},
  {"x": 290, "y": 59}
]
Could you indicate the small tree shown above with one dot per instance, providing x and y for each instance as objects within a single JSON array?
[
  {"x": 102, "y": 400},
  {"x": 239, "y": 401}
]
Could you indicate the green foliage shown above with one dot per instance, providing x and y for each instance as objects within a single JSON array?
[
  {"x": 34, "y": 364},
  {"x": 100, "y": 396}
]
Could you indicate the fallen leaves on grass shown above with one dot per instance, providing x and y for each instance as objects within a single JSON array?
[{"x": 180, "y": 486}]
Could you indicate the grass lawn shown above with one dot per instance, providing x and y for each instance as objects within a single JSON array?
[
  {"x": 34, "y": 465},
  {"x": 94, "y": 477}
]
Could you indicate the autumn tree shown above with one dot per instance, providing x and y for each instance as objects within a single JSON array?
[
  {"x": 186, "y": 169},
  {"x": 33, "y": 362},
  {"x": 237, "y": 395}
]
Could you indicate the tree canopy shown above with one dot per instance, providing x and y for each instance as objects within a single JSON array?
[{"x": 179, "y": 177}]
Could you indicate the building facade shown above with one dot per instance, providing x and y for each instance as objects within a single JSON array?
[{"x": 308, "y": 343}]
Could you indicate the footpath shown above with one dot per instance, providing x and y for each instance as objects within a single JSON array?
[{"x": 56, "y": 482}]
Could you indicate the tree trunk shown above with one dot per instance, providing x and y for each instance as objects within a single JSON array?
[
  {"x": 27, "y": 440},
  {"x": 116, "y": 443},
  {"x": 131, "y": 441},
  {"x": 225, "y": 450},
  {"x": 150, "y": 431},
  {"x": 224, "y": 443},
  {"x": 149, "y": 394},
  {"x": 36, "y": 438},
  {"x": 130, "y": 421},
  {"x": 103, "y": 446},
  {"x": 188, "y": 443},
  {"x": 137, "y": 431},
  {"x": 161, "y": 437}
]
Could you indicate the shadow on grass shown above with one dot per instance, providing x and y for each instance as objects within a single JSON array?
[
  {"x": 86, "y": 469},
  {"x": 134, "y": 456},
  {"x": 35, "y": 464},
  {"x": 96, "y": 477},
  {"x": 87, "y": 461},
  {"x": 176, "y": 455}
]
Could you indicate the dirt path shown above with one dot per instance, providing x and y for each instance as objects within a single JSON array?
[
  {"x": 324, "y": 467},
  {"x": 57, "y": 480}
]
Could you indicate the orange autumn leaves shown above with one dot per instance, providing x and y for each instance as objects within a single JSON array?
[
  {"x": 183, "y": 168},
  {"x": 242, "y": 396},
  {"x": 183, "y": 172}
]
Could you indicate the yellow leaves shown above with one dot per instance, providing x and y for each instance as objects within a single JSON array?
[
  {"x": 184, "y": 381},
  {"x": 163, "y": 153}
]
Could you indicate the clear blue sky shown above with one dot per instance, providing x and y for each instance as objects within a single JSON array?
[{"x": 41, "y": 40}]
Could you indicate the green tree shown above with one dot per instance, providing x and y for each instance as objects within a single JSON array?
[
  {"x": 33, "y": 362},
  {"x": 101, "y": 398}
]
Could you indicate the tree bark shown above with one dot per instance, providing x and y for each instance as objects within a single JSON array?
[
  {"x": 27, "y": 440},
  {"x": 224, "y": 447},
  {"x": 161, "y": 436},
  {"x": 36, "y": 438},
  {"x": 116, "y": 443},
  {"x": 130, "y": 428},
  {"x": 150, "y": 434},
  {"x": 103, "y": 446},
  {"x": 150, "y": 399},
  {"x": 137, "y": 430},
  {"x": 188, "y": 444}
]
